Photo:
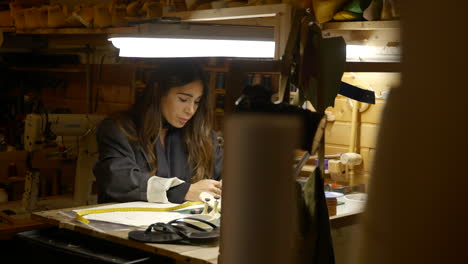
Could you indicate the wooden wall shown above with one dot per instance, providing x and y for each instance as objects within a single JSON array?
[
  {"x": 111, "y": 90},
  {"x": 338, "y": 132},
  {"x": 113, "y": 87}
]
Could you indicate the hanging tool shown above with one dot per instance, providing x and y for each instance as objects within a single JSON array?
[{"x": 357, "y": 95}]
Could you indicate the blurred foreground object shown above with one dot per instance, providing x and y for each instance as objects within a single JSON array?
[{"x": 417, "y": 214}]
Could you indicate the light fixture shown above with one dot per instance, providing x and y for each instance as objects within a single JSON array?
[
  {"x": 197, "y": 40},
  {"x": 184, "y": 47}
]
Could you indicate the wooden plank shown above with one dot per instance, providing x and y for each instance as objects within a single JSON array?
[
  {"x": 212, "y": 85},
  {"x": 63, "y": 68},
  {"x": 8, "y": 231},
  {"x": 339, "y": 133},
  {"x": 342, "y": 111},
  {"x": 231, "y": 13},
  {"x": 75, "y": 106},
  {"x": 108, "y": 108},
  {"x": 365, "y": 153},
  {"x": 208, "y": 254},
  {"x": 77, "y": 41},
  {"x": 345, "y": 220},
  {"x": 372, "y": 67},
  {"x": 7, "y": 29},
  {"x": 376, "y": 81},
  {"x": 114, "y": 93},
  {"x": 282, "y": 29},
  {"x": 75, "y": 31},
  {"x": 223, "y": 68},
  {"x": 259, "y": 22},
  {"x": 361, "y": 25},
  {"x": 391, "y": 38},
  {"x": 331, "y": 149}
]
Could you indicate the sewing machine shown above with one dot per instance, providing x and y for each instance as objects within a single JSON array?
[{"x": 77, "y": 132}]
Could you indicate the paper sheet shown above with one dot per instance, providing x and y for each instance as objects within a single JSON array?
[{"x": 135, "y": 218}]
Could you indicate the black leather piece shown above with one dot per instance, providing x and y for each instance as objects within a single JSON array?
[
  {"x": 154, "y": 236},
  {"x": 176, "y": 231}
]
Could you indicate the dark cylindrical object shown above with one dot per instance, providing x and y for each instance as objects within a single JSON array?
[{"x": 259, "y": 216}]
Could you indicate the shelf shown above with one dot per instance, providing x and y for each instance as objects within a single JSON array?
[
  {"x": 265, "y": 73},
  {"x": 7, "y": 29},
  {"x": 43, "y": 69},
  {"x": 243, "y": 12},
  {"x": 216, "y": 68},
  {"x": 13, "y": 179},
  {"x": 372, "y": 67},
  {"x": 220, "y": 91},
  {"x": 362, "y": 25},
  {"x": 79, "y": 31}
]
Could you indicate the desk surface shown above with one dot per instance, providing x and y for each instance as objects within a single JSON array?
[{"x": 181, "y": 253}]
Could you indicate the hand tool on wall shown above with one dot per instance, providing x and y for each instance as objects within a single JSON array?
[{"x": 357, "y": 95}]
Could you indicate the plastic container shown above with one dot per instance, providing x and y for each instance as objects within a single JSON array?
[{"x": 355, "y": 201}]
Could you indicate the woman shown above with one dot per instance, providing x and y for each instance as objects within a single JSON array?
[{"x": 162, "y": 149}]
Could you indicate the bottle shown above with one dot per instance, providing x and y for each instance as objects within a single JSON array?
[
  {"x": 266, "y": 81},
  {"x": 249, "y": 79},
  {"x": 219, "y": 103},
  {"x": 220, "y": 80}
]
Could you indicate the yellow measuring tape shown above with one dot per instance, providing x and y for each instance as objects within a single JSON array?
[{"x": 80, "y": 215}]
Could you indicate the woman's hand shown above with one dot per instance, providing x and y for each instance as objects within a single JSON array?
[{"x": 209, "y": 186}]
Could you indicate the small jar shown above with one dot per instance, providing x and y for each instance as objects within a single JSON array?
[{"x": 3, "y": 195}]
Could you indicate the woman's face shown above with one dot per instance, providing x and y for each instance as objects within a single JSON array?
[{"x": 181, "y": 103}]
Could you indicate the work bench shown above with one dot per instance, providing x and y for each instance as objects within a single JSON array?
[{"x": 178, "y": 252}]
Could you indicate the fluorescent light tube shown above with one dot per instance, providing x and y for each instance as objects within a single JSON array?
[{"x": 144, "y": 47}]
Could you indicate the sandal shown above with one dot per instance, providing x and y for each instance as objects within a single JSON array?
[{"x": 178, "y": 230}]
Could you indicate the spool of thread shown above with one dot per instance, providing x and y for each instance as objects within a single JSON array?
[{"x": 259, "y": 221}]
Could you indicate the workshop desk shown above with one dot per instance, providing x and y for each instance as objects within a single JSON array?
[{"x": 180, "y": 253}]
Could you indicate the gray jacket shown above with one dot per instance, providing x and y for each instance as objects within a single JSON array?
[{"x": 122, "y": 170}]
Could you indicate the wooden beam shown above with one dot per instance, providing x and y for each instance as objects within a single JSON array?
[
  {"x": 231, "y": 13},
  {"x": 70, "y": 68},
  {"x": 259, "y": 21},
  {"x": 361, "y": 25},
  {"x": 87, "y": 31},
  {"x": 7, "y": 29},
  {"x": 373, "y": 67}
]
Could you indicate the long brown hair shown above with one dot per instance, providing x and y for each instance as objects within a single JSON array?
[{"x": 143, "y": 121}]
